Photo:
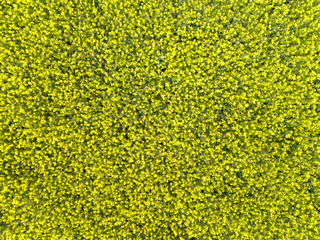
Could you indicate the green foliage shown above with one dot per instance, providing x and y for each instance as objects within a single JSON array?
[{"x": 179, "y": 119}]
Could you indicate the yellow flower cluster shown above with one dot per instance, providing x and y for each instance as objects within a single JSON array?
[{"x": 154, "y": 119}]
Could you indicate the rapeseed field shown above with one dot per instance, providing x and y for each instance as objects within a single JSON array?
[{"x": 154, "y": 119}]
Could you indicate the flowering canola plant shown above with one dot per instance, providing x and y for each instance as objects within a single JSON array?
[{"x": 153, "y": 119}]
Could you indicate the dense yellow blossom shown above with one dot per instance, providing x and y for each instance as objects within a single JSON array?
[{"x": 154, "y": 119}]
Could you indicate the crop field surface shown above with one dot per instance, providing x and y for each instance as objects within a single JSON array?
[{"x": 154, "y": 119}]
